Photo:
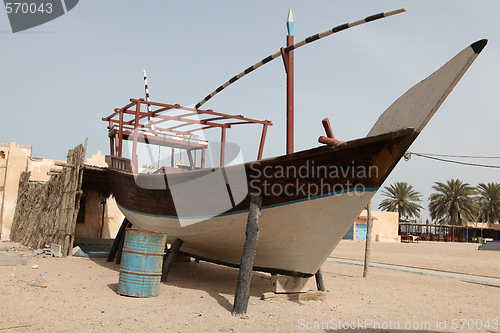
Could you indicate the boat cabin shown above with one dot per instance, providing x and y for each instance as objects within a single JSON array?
[{"x": 169, "y": 125}]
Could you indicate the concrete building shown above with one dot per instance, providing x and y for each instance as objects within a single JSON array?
[
  {"x": 464, "y": 231},
  {"x": 13, "y": 161},
  {"x": 473, "y": 230},
  {"x": 384, "y": 227},
  {"x": 98, "y": 218}
]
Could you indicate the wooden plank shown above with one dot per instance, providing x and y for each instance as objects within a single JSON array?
[
  {"x": 79, "y": 192},
  {"x": 67, "y": 203},
  {"x": 71, "y": 191},
  {"x": 311, "y": 295},
  {"x": 62, "y": 164},
  {"x": 289, "y": 284}
]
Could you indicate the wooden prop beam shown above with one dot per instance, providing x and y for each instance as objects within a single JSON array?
[
  {"x": 308, "y": 40},
  {"x": 320, "y": 284},
  {"x": 116, "y": 242},
  {"x": 120, "y": 244},
  {"x": 242, "y": 294},
  {"x": 170, "y": 257}
]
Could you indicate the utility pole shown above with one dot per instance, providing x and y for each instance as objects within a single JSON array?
[{"x": 368, "y": 237}]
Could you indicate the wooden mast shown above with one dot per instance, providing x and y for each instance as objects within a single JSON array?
[{"x": 288, "y": 60}]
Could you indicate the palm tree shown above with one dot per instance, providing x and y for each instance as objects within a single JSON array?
[
  {"x": 454, "y": 202},
  {"x": 489, "y": 202},
  {"x": 401, "y": 198}
]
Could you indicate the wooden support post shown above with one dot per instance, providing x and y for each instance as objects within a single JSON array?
[
  {"x": 111, "y": 146},
  {"x": 120, "y": 135},
  {"x": 262, "y": 140},
  {"x": 368, "y": 238},
  {"x": 203, "y": 158},
  {"x": 135, "y": 158},
  {"x": 66, "y": 204},
  {"x": 222, "y": 146},
  {"x": 169, "y": 258},
  {"x": 320, "y": 284},
  {"x": 190, "y": 158},
  {"x": 72, "y": 173},
  {"x": 116, "y": 242},
  {"x": 78, "y": 193},
  {"x": 242, "y": 294},
  {"x": 120, "y": 244}
]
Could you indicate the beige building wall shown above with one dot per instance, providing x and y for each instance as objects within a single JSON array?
[
  {"x": 102, "y": 220},
  {"x": 15, "y": 162},
  {"x": 97, "y": 159},
  {"x": 113, "y": 219},
  {"x": 384, "y": 228},
  {"x": 39, "y": 168},
  {"x": 3, "y": 170}
]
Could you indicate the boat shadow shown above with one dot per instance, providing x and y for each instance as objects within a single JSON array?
[{"x": 216, "y": 281}]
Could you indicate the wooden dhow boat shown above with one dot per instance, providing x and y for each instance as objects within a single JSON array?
[{"x": 310, "y": 198}]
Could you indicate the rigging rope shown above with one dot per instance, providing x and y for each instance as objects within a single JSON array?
[{"x": 407, "y": 157}]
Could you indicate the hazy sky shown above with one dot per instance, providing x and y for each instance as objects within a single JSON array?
[{"x": 59, "y": 79}]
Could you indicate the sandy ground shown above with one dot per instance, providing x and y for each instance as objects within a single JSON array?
[
  {"x": 78, "y": 295},
  {"x": 453, "y": 257}
]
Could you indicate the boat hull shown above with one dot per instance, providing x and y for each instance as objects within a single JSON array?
[{"x": 301, "y": 222}]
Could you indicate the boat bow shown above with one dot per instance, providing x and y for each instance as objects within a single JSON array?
[{"x": 417, "y": 106}]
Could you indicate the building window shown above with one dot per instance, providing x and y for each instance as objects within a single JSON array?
[{"x": 2, "y": 154}]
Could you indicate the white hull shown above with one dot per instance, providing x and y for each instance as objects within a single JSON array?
[{"x": 294, "y": 237}]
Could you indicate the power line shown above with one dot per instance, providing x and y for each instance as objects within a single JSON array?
[
  {"x": 459, "y": 156},
  {"x": 408, "y": 154}
]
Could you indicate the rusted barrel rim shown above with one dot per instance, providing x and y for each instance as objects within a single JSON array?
[
  {"x": 141, "y": 274},
  {"x": 146, "y": 231},
  {"x": 148, "y": 253}
]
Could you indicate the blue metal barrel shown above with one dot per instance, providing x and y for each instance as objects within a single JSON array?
[{"x": 142, "y": 259}]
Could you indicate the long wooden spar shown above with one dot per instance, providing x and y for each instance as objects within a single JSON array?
[{"x": 303, "y": 42}]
